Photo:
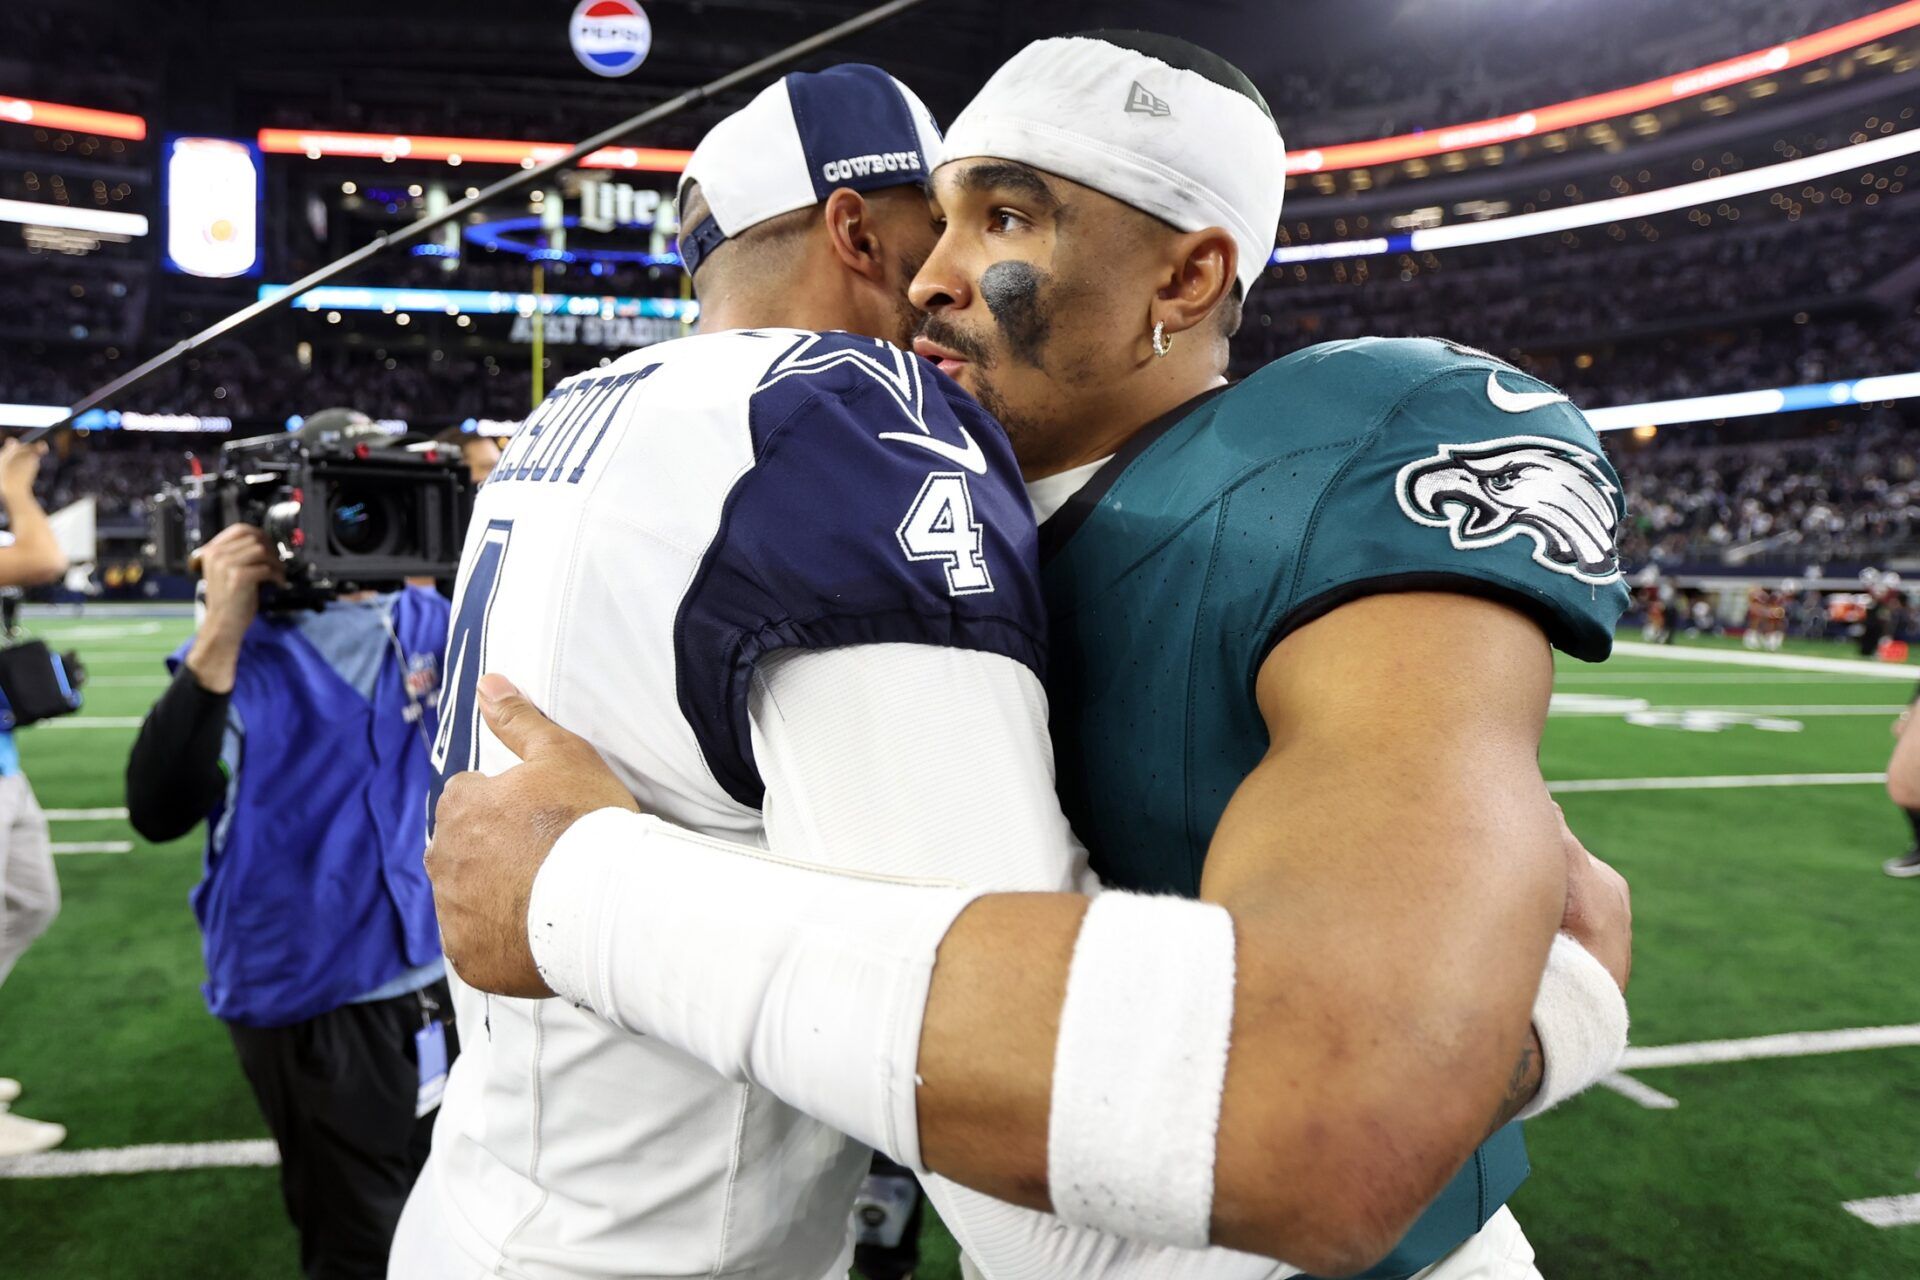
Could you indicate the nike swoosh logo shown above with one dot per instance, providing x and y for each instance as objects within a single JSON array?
[
  {"x": 970, "y": 456},
  {"x": 1519, "y": 401}
]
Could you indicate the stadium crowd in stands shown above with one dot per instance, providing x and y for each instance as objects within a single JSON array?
[
  {"x": 1384, "y": 91},
  {"x": 1850, "y": 497},
  {"x": 121, "y": 475},
  {"x": 49, "y": 297},
  {"x": 1517, "y": 302}
]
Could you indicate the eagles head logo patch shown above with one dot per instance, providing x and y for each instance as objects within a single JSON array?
[{"x": 1548, "y": 490}]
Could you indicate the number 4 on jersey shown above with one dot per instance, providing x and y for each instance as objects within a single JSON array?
[
  {"x": 457, "y": 748},
  {"x": 940, "y": 526}
]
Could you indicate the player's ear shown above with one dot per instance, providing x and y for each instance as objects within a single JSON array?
[
  {"x": 1202, "y": 268},
  {"x": 853, "y": 233}
]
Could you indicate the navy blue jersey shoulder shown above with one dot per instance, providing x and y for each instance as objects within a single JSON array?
[{"x": 883, "y": 506}]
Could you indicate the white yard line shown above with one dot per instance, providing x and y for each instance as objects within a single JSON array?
[
  {"x": 96, "y": 631},
  {"x": 91, "y": 722},
  {"x": 91, "y": 846},
  {"x": 1702, "y": 677},
  {"x": 1886, "y": 1211},
  {"x": 83, "y": 815},
  {"x": 146, "y": 657},
  {"x": 164, "y": 1157},
  {"x": 1629, "y": 706},
  {"x": 1775, "y": 661},
  {"x": 1795, "y": 1044},
  {"x": 1723, "y": 783},
  {"x": 1788, "y": 709},
  {"x": 1644, "y": 1094}
]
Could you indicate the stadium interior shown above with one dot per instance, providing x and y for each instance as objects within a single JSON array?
[{"x": 1702, "y": 222}]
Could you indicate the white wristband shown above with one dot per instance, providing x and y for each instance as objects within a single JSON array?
[
  {"x": 808, "y": 981},
  {"x": 1581, "y": 1019},
  {"x": 1140, "y": 1067}
]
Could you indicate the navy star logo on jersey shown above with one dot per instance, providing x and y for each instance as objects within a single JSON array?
[{"x": 1491, "y": 492}]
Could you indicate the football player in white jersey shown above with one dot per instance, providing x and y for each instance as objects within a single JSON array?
[
  {"x": 678, "y": 552},
  {"x": 820, "y": 988}
]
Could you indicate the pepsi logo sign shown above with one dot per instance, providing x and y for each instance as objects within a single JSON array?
[{"x": 610, "y": 37}]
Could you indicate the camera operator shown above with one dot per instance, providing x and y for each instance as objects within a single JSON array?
[
  {"x": 480, "y": 452},
  {"x": 302, "y": 738},
  {"x": 29, "y": 893}
]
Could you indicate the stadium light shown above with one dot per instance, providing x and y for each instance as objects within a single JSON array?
[
  {"x": 53, "y": 115},
  {"x": 98, "y": 221},
  {"x": 1611, "y": 105},
  {"x": 1620, "y": 209}
]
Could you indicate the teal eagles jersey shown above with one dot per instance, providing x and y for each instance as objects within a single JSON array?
[{"x": 1343, "y": 470}]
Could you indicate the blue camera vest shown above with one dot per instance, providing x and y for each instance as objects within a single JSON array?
[{"x": 315, "y": 891}]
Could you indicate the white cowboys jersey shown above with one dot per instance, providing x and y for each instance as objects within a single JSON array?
[{"x": 655, "y": 528}]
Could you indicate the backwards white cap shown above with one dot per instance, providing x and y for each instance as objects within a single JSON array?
[
  {"x": 801, "y": 138},
  {"x": 1168, "y": 140}
]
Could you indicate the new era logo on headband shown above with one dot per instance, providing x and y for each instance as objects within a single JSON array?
[{"x": 1144, "y": 102}]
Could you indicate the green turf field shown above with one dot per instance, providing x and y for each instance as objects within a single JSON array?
[{"x": 1759, "y": 910}]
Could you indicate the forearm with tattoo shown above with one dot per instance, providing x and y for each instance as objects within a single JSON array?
[{"x": 1523, "y": 1083}]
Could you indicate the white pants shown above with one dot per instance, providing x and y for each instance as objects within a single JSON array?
[
  {"x": 427, "y": 1246},
  {"x": 29, "y": 892},
  {"x": 1498, "y": 1252}
]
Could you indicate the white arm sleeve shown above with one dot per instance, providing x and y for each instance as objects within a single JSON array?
[
  {"x": 1581, "y": 1019},
  {"x": 928, "y": 763},
  {"x": 907, "y": 760}
]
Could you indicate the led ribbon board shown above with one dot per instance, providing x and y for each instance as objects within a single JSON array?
[
  {"x": 315, "y": 143},
  {"x": 54, "y": 115},
  {"x": 1753, "y": 404},
  {"x": 47, "y": 415},
  {"x": 1625, "y": 417},
  {"x": 98, "y": 221},
  {"x": 1600, "y": 212},
  {"x": 481, "y": 302}
]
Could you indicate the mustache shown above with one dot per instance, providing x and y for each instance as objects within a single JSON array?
[{"x": 939, "y": 329}]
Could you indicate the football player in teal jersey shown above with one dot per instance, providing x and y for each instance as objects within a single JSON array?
[{"x": 1302, "y": 634}]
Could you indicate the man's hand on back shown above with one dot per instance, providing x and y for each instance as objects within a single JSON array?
[
  {"x": 1599, "y": 914},
  {"x": 491, "y": 836}
]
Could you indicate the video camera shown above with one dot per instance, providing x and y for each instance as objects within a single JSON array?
[
  {"x": 35, "y": 682},
  {"x": 346, "y": 509}
]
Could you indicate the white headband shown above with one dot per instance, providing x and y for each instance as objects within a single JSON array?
[{"x": 1168, "y": 142}]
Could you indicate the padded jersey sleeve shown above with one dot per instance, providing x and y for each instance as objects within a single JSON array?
[
  {"x": 1480, "y": 480},
  {"x": 883, "y": 506}
]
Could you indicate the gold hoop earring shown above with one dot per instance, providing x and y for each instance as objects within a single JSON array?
[{"x": 1162, "y": 344}]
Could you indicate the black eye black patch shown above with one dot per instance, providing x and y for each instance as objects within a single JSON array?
[{"x": 1012, "y": 293}]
